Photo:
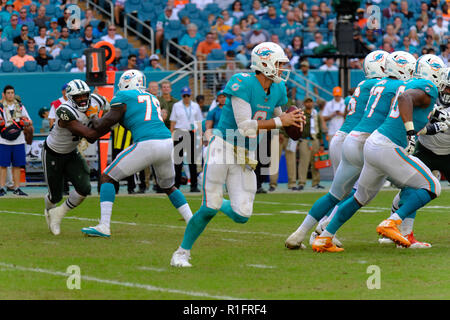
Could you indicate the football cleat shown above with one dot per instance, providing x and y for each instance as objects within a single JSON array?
[
  {"x": 180, "y": 258},
  {"x": 389, "y": 228},
  {"x": 325, "y": 244},
  {"x": 384, "y": 240},
  {"x": 416, "y": 244},
  {"x": 53, "y": 218},
  {"x": 294, "y": 242},
  {"x": 319, "y": 229},
  {"x": 100, "y": 230}
]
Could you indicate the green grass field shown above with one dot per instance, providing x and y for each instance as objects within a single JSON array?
[{"x": 230, "y": 261}]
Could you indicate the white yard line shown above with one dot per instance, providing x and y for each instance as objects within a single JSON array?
[
  {"x": 260, "y": 266},
  {"x": 152, "y": 269},
  {"x": 147, "y": 287}
]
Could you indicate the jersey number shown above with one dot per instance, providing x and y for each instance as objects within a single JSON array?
[
  {"x": 260, "y": 115},
  {"x": 376, "y": 92},
  {"x": 395, "y": 111},
  {"x": 149, "y": 101},
  {"x": 351, "y": 108}
]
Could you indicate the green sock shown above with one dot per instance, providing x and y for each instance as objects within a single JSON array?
[{"x": 196, "y": 226}]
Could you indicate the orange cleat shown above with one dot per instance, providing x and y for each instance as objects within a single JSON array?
[
  {"x": 417, "y": 244},
  {"x": 325, "y": 244},
  {"x": 388, "y": 228}
]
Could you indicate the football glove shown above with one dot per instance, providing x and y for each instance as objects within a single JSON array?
[
  {"x": 440, "y": 115},
  {"x": 434, "y": 128},
  {"x": 411, "y": 142},
  {"x": 24, "y": 122},
  {"x": 92, "y": 111}
]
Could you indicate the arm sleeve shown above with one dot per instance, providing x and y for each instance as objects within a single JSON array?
[{"x": 243, "y": 117}]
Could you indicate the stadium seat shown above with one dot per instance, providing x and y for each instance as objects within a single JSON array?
[
  {"x": 215, "y": 55},
  {"x": 7, "y": 46},
  {"x": 8, "y": 66},
  {"x": 132, "y": 6},
  {"x": 174, "y": 30},
  {"x": 122, "y": 44},
  {"x": 30, "y": 66},
  {"x": 147, "y": 12},
  {"x": 213, "y": 8},
  {"x": 50, "y": 10},
  {"x": 76, "y": 45},
  {"x": 54, "y": 65},
  {"x": 65, "y": 54}
]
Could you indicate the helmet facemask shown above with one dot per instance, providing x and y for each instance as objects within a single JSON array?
[{"x": 81, "y": 101}]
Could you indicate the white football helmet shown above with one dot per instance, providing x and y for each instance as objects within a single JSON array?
[
  {"x": 374, "y": 64},
  {"x": 443, "y": 83},
  {"x": 400, "y": 65},
  {"x": 132, "y": 80},
  {"x": 428, "y": 67},
  {"x": 266, "y": 57},
  {"x": 79, "y": 93}
]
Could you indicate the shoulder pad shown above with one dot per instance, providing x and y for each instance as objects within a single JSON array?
[
  {"x": 66, "y": 113},
  {"x": 99, "y": 100}
]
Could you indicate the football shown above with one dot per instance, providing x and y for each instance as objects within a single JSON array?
[{"x": 293, "y": 132}]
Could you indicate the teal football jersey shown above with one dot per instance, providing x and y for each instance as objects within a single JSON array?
[
  {"x": 142, "y": 116},
  {"x": 394, "y": 128},
  {"x": 382, "y": 96},
  {"x": 357, "y": 104},
  {"x": 247, "y": 87}
]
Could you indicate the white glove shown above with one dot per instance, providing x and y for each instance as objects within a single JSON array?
[
  {"x": 441, "y": 116},
  {"x": 411, "y": 144},
  {"x": 434, "y": 128}
]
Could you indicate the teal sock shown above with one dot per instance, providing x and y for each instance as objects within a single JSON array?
[
  {"x": 107, "y": 192},
  {"x": 196, "y": 226},
  {"x": 346, "y": 210},
  {"x": 228, "y": 210},
  {"x": 347, "y": 197},
  {"x": 177, "y": 198},
  {"x": 321, "y": 207},
  {"x": 413, "y": 200}
]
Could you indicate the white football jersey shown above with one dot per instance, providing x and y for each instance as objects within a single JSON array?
[{"x": 438, "y": 143}]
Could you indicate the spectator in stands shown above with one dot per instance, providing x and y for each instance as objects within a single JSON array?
[
  {"x": 315, "y": 15},
  {"x": 290, "y": 27},
  {"x": 430, "y": 43},
  {"x": 21, "y": 57},
  {"x": 229, "y": 43},
  {"x": 211, "y": 20},
  {"x": 299, "y": 95},
  {"x": 22, "y": 37},
  {"x": 425, "y": 14},
  {"x": 206, "y": 46},
  {"x": 41, "y": 18},
  {"x": 398, "y": 27},
  {"x": 391, "y": 36},
  {"x": 131, "y": 62},
  {"x": 119, "y": 6},
  {"x": 88, "y": 18},
  {"x": 153, "y": 88},
  {"x": 324, "y": 10},
  {"x": 318, "y": 41},
  {"x": 52, "y": 48},
  {"x": 227, "y": 19},
  {"x": 185, "y": 21},
  {"x": 236, "y": 10},
  {"x": 23, "y": 18},
  {"x": 55, "y": 105},
  {"x": 420, "y": 28},
  {"x": 276, "y": 39},
  {"x": 407, "y": 46},
  {"x": 371, "y": 41},
  {"x": 328, "y": 65},
  {"x": 33, "y": 10},
  {"x": 439, "y": 28},
  {"x": 88, "y": 37},
  {"x": 53, "y": 31},
  {"x": 362, "y": 21},
  {"x": 63, "y": 40},
  {"x": 98, "y": 31},
  {"x": 230, "y": 67},
  {"x": 114, "y": 66},
  {"x": 445, "y": 12},
  {"x": 310, "y": 143},
  {"x": 334, "y": 112},
  {"x": 31, "y": 47},
  {"x": 445, "y": 53},
  {"x": 296, "y": 46},
  {"x": 62, "y": 21},
  {"x": 391, "y": 10},
  {"x": 154, "y": 64},
  {"x": 201, "y": 4},
  {"x": 80, "y": 66},
  {"x": 8, "y": 10},
  {"x": 45, "y": 124},
  {"x": 356, "y": 64},
  {"x": 237, "y": 32},
  {"x": 190, "y": 39},
  {"x": 404, "y": 10},
  {"x": 414, "y": 38},
  {"x": 285, "y": 8},
  {"x": 293, "y": 59},
  {"x": 111, "y": 37},
  {"x": 299, "y": 15},
  {"x": 18, "y": 4},
  {"x": 220, "y": 27},
  {"x": 257, "y": 9},
  {"x": 256, "y": 37},
  {"x": 13, "y": 29},
  {"x": 184, "y": 117},
  {"x": 41, "y": 38},
  {"x": 162, "y": 22},
  {"x": 12, "y": 150},
  {"x": 213, "y": 116},
  {"x": 273, "y": 18},
  {"x": 2, "y": 35},
  {"x": 311, "y": 25},
  {"x": 142, "y": 57},
  {"x": 42, "y": 58},
  {"x": 166, "y": 100},
  {"x": 241, "y": 56}
]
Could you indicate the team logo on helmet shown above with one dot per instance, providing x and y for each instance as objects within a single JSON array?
[
  {"x": 435, "y": 66},
  {"x": 401, "y": 61},
  {"x": 264, "y": 53},
  {"x": 378, "y": 57}
]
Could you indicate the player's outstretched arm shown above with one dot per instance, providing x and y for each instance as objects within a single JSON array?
[
  {"x": 103, "y": 125},
  {"x": 79, "y": 129},
  {"x": 407, "y": 101}
]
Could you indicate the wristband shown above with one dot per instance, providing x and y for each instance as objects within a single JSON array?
[
  {"x": 278, "y": 123},
  {"x": 409, "y": 126}
]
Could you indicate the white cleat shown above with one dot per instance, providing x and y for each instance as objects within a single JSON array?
[
  {"x": 100, "y": 230},
  {"x": 53, "y": 218},
  {"x": 294, "y": 242},
  {"x": 384, "y": 240},
  {"x": 180, "y": 258}
]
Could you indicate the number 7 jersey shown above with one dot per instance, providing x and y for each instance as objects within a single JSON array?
[{"x": 142, "y": 116}]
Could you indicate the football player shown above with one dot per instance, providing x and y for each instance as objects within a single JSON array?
[
  {"x": 433, "y": 148},
  {"x": 60, "y": 157},
  {"x": 253, "y": 104},
  {"x": 387, "y": 153},
  {"x": 138, "y": 111},
  {"x": 398, "y": 68},
  {"x": 373, "y": 67}
]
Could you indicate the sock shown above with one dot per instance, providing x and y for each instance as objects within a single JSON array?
[
  {"x": 228, "y": 210},
  {"x": 48, "y": 204},
  {"x": 306, "y": 226},
  {"x": 396, "y": 203},
  {"x": 321, "y": 207},
  {"x": 196, "y": 226},
  {"x": 179, "y": 202},
  {"x": 73, "y": 201},
  {"x": 107, "y": 197},
  {"x": 413, "y": 201},
  {"x": 346, "y": 210},
  {"x": 407, "y": 226}
]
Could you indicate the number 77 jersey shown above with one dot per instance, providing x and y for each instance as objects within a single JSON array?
[
  {"x": 382, "y": 96},
  {"x": 142, "y": 116}
]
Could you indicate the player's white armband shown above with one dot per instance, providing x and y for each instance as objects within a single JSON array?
[{"x": 243, "y": 116}]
